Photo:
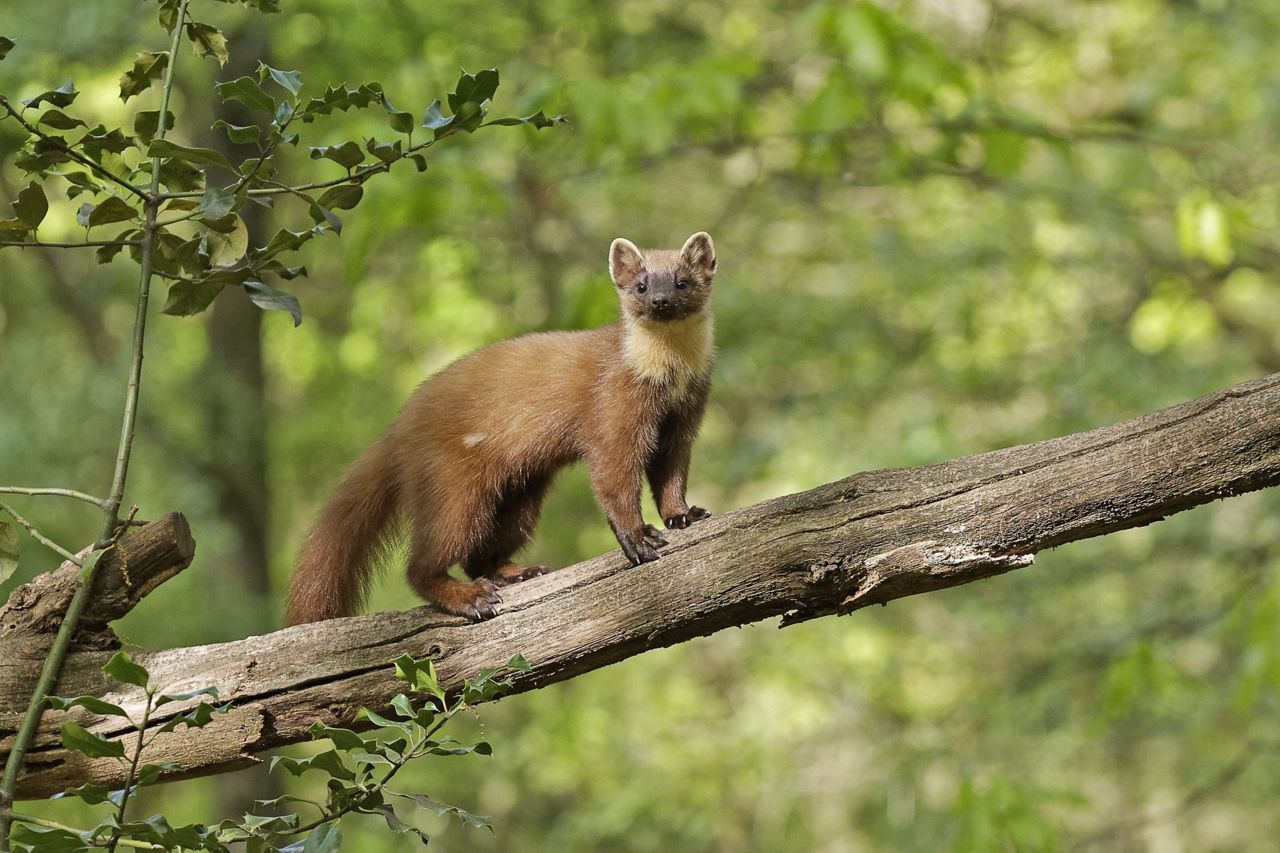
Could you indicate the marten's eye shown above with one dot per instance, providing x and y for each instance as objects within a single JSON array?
[
  {"x": 682, "y": 284},
  {"x": 641, "y": 287}
]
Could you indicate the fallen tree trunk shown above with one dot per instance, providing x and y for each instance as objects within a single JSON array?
[{"x": 864, "y": 540}]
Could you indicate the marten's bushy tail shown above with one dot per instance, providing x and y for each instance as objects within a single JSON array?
[{"x": 336, "y": 560}]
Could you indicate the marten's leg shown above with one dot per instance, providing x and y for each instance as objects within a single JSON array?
[
  {"x": 445, "y": 525},
  {"x": 513, "y": 525}
]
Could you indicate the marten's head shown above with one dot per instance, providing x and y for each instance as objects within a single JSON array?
[{"x": 660, "y": 284}]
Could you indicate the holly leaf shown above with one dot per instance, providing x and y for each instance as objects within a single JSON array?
[
  {"x": 10, "y": 550},
  {"x": 31, "y": 205},
  {"x": 74, "y": 736},
  {"x": 147, "y": 68},
  {"x": 112, "y": 209},
  {"x": 239, "y": 134},
  {"x": 122, "y": 668},
  {"x": 92, "y": 704},
  {"x": 216, "y": 203},
  {"x": 539, "y": 120},
  {"x": 268, "y": 298},
  {"x": 187, "y": 298},
  {"x": 6, "y": 45},
  {"x": 226, "y": 248},
  {"x": 205, "y": 156},
  {"x": 348, "y": 154},
  {"x": 59, "y": 97},
  {"x": 208, "y": 41},
  {"x": 59, "y": 120},
  {"x": 400, "y": 120},
  {"x": 247, "y": 91},
  {"x": 146, "y": 123},
  {"x": 290, "y": 81},
  {"x": 477, "y": 88}
]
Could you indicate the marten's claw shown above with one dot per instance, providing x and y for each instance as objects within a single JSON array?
[
  {"x": 653, "y": 537},
  {"x": 682, "y": 520},
  {"x": 637, "y": 547}
]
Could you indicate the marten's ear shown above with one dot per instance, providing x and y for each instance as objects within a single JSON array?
[
  {"x": 699, "y": 252},
  {"x": 625, "y": 262}
]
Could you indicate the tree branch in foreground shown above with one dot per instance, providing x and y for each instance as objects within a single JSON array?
[{"x": 864, "y": 540}]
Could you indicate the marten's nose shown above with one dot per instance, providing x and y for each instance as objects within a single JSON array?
[{"x": 660, "y": 302}]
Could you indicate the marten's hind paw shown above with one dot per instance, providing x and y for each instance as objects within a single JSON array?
[{"x": 514, "y": 573}]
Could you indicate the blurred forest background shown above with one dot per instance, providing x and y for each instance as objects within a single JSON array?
[{"x": 943, "y": 228}]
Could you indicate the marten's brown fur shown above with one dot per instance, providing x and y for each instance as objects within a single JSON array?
[{"x": 472, "y": 455}]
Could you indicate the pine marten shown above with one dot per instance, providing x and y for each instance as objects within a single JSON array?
[{"x": 474, "y": 451}]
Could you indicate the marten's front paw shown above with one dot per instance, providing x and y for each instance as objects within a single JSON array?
[
  {"x": 642, "y": 546},
  {"x": 680, "y": 521},
  {"x": 480, "y": 605}
]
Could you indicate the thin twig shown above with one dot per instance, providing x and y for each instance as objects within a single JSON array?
[
  {"x": 53, "y": 824},
  {"x": 38, "y": 536},
  {"x": 71, "y": 152},
  {"x": 87, "y": 244},
  {"x": 66, "y": 493}
]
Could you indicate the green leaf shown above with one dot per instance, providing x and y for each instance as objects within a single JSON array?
[
  {"x": 239, "y": 134},
  {"x": 247, "y": 91},
  {"x": 387, "y": 152},
  {"x": 420, "y": 675},
  {"x": 269, "y": 299},
  {"x": 342, "y": 197},
  {"x": 28, "y": 837},
  {"x": 92, "y": 704},
  {"x": 196, "y": 718},
  {"x": 146, "y": 123},
  {"x": 216, "y": 202},
  {"x": 187, "y": 298},
  {"x": 6, "y": 45},
  {"x": 380, "y": 721},
  {"x": 341, "y": 98},
  {"x": 291, "y": 81},
  {"x": 440, "y": 809},
  {"x": 106, "y": 254},
  {"x": 90, "y": 793},
  {"x": 539, "y": 120},
  {"x": 207, "y": 41},
  {"x": 166, "y": 698},
  {"x": 344, "y": 739},
  {"x": 31, "y": 205},
  {"x": 59, "y": 120},
  {"x": 10, "y": 550},
  {"x": 149, "y": 774},
  {"x": 74, "y": 736},
  {"x": 348, "y": 154},
  {"x": 165, "y": 148},
  {"x": 112, "y": 209},
  {"x": 147, "y": 68},
  {"x": 325, "y": 838},
  {"x": 395, "y": 824},
  {"x": 403, "y": 706},
  {"x": 400, "y": 120},
  {"x": 477, "y": 88},
  {"x": 122, "y": 668},
  {"x": 59, "y": 97},
  {"x": 226, "y": 248}
]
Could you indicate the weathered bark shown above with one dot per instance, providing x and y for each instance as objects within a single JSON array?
[
  {"x": 138, "y": 563},
  {"x": 864, "y": 540}
]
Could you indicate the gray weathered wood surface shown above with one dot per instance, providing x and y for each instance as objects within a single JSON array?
[{"x": 863, "y": 540}]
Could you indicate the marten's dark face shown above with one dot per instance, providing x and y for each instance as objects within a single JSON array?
[{"x": 661, "y": 284}]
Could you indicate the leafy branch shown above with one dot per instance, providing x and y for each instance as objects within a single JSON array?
[
  {"x": 358, "y": 767},
  {"x": 181, "y": 222}
]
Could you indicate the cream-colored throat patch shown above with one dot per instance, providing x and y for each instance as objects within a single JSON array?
[{"x": 673, "y": 353}]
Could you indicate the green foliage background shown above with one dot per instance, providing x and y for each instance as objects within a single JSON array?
[{"x": 943, "y": 228}]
